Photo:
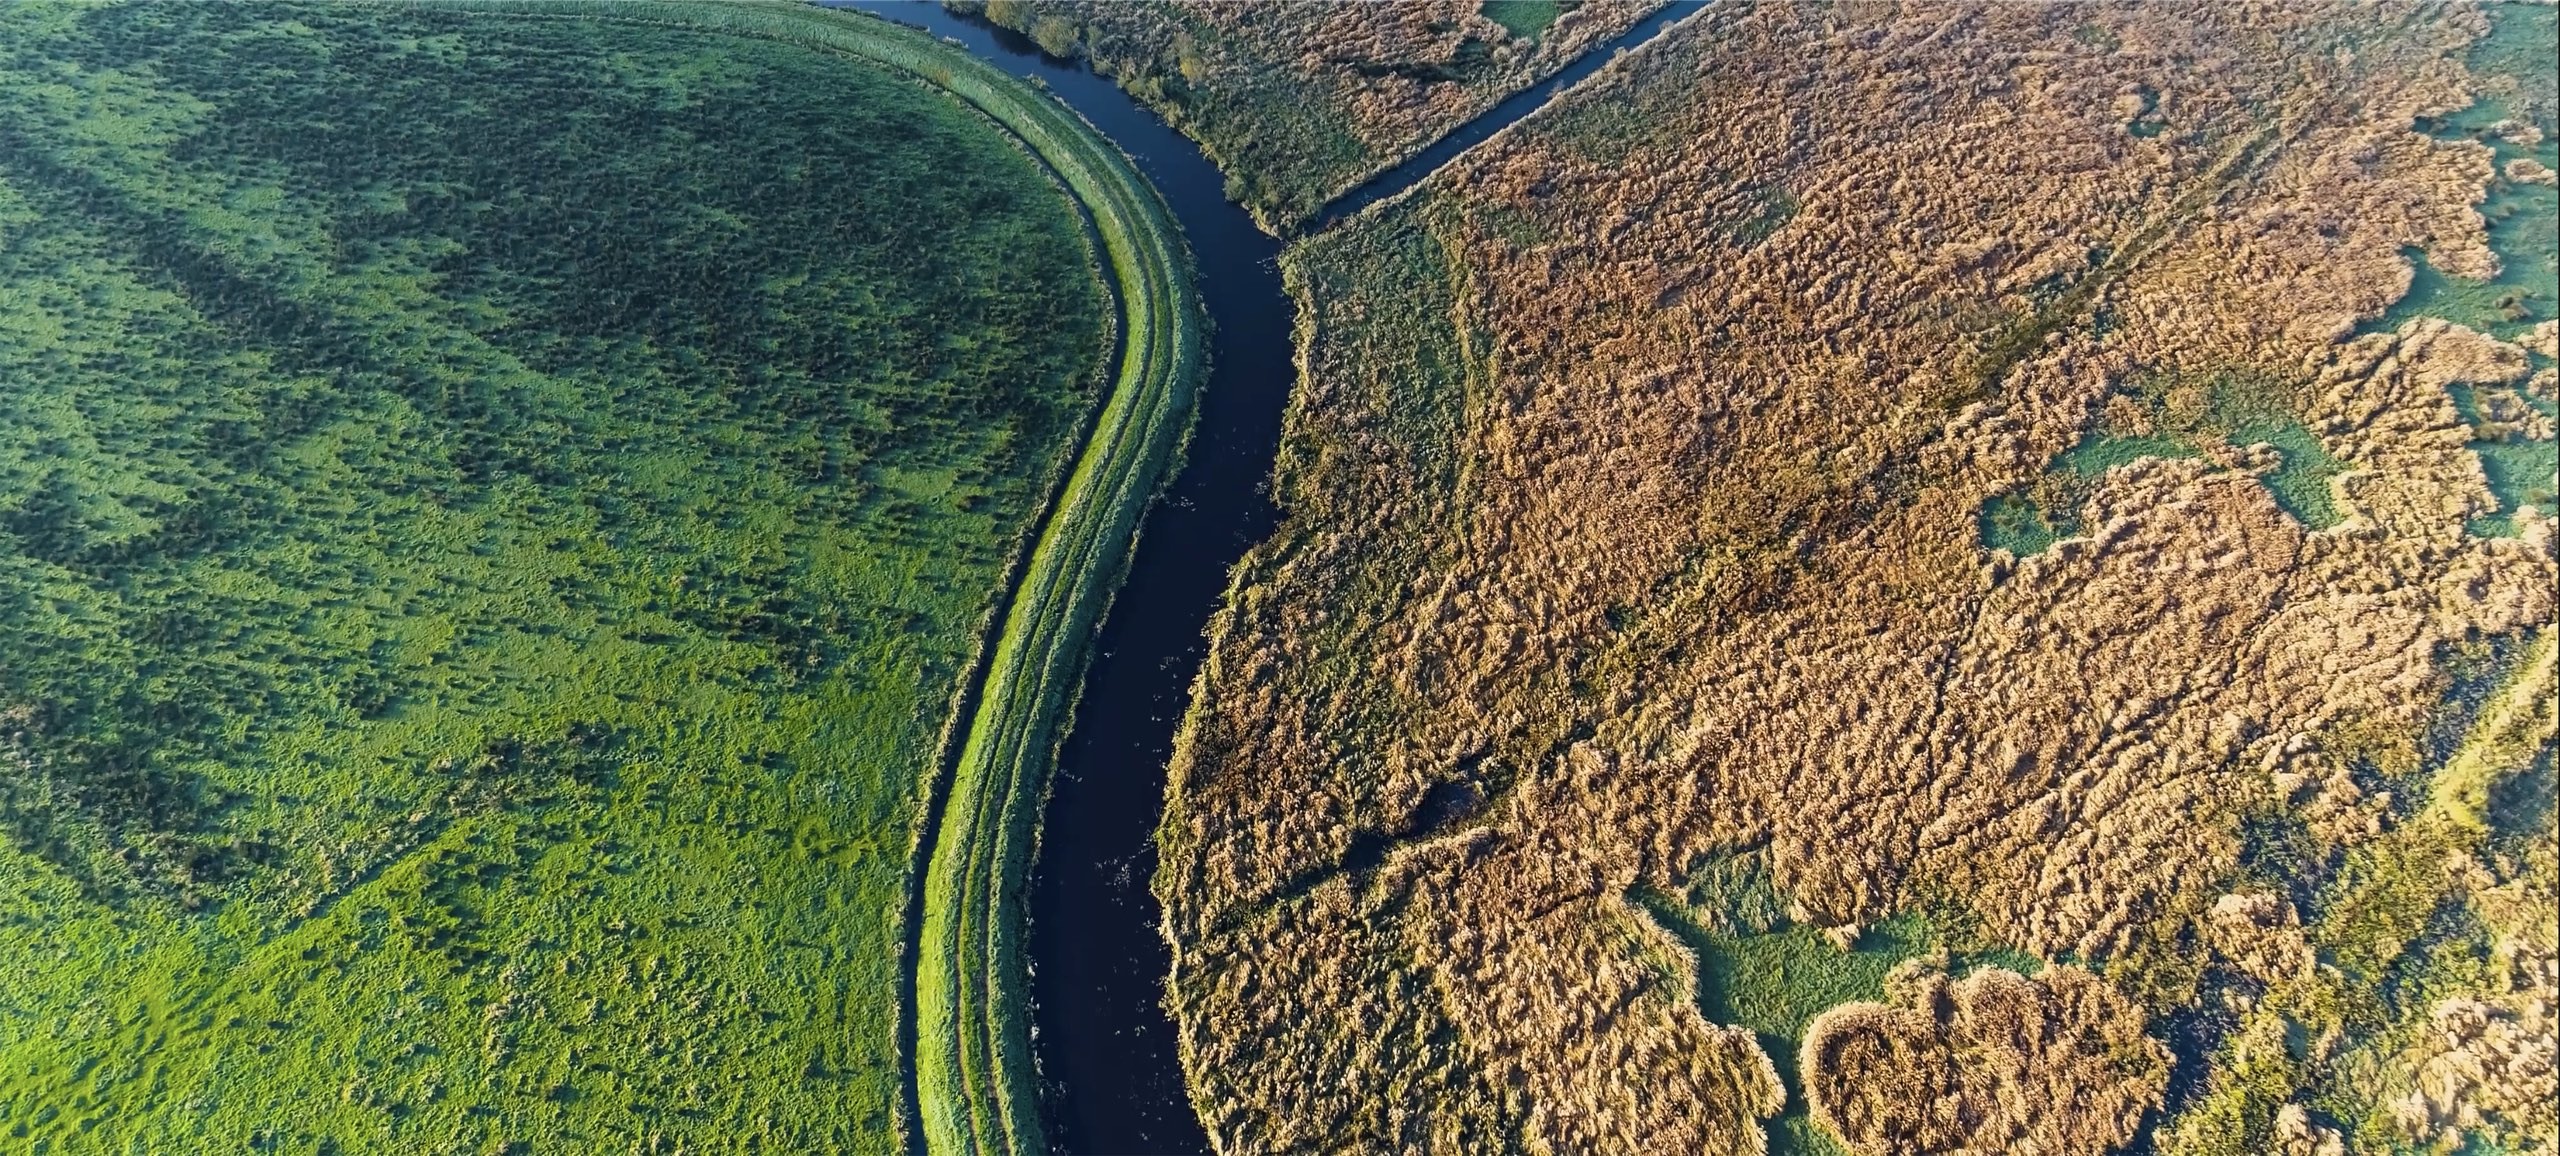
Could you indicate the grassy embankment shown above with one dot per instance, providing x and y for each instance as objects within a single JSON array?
[
  {"x": 974, "y": 1078},
  {"x": 974, "y": 1075},
  {"x": 485, "y": 589},
  {"x": 974, "y": 1081}
]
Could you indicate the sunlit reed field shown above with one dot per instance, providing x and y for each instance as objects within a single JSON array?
[
  {"x": 494, "y": 511},
  {"x": 1906, "y": 579}
]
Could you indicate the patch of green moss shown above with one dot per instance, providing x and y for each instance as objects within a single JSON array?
[
  {"x": 2017, "y": 523},
  {"x": 2300, "y": 481},
  {"x": 1768, "y": 208},
  {"x": 2096, "y": 35},
  {"x": 1794, "y": 1133},
  {"x": 1529, "y": 18},
  {"x": 2147, "y": 122},
  {"x": 2521, "y": 471},
  {"x": 2171, "y": 417},
  {"x": 2104, "y": 449}
]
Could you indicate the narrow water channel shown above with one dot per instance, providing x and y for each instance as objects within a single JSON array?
[
  {"x": 1499, "y": 117},
  {"x": 1112, "y": 1080}
]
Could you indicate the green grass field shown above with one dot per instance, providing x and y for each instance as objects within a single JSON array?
[{"x": 494, "y": 514}]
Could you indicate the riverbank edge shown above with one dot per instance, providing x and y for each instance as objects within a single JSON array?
[
  {"x": 973, "y": 1071},
  {"x": 971, "y": 1078}
]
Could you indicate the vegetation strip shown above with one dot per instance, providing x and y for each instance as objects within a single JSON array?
[
  {"x": 974, "y": 1085},
  {"x": 973, "y": 1068}
]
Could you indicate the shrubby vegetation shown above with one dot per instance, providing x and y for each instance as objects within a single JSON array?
[{"x": 494, "y": 510}]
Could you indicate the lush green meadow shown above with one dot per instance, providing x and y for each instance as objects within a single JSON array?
[
  {"x": 1528, "y": 18},
  {"x": 494, "y": 514}
]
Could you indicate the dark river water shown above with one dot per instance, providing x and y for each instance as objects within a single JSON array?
[{"x": 1112, "y": 1081}]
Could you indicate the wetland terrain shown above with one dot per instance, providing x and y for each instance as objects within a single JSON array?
[
  {"x": 1909, "y": 578},
  {"x": 1011, "y": 576}
]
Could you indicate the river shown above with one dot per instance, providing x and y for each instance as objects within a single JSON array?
[{"x": 1111, "y": 1077}]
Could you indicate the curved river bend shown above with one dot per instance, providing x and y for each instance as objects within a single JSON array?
[
  {"x": 1112, "y": 1080},
  {"x": 1111, "y": 1077}
]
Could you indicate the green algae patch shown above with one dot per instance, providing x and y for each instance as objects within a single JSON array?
[
  {"x": 1528, "y": 18},
  {"x": 1760, "y": 968},
  {"x": 495, "y": 510},
  {"x": 2170, "y": 417}
]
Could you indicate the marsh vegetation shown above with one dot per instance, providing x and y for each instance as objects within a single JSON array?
[{"x": 1982, "y": 467}]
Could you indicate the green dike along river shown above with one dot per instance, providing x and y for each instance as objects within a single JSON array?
[
  {"x": 498, "y": 511},
  {"x": 1111, "y": 1076}
]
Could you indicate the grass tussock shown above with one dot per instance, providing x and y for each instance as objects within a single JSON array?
[{"x": 1993, "y": 1062}]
